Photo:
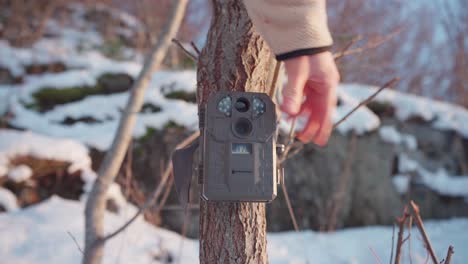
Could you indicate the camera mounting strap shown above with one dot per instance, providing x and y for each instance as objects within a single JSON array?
[{"x": 182, "y": 164}]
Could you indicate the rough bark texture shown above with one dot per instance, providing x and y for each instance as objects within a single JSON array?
[{"x": 235, "y": 58}]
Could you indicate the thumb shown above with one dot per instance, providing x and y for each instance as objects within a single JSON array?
[{"x": 293, "y": 93}]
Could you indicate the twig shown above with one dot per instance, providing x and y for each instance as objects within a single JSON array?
[
  {"x": 423, "y": 232},
  {"x": 371, "y": 44},
  {"x": 410, "y": 225},
  {"x": 76, "y": 242},
  {"x": 450, "y": 252},
  {"x": 393, "y": 244},
  {"x": 401, "y": 228},
  {"x": 390, "y": 83},
  {"x": 339, "y": 194},
  {"x": 188, "y": 53},
  {"x": 341, "y": 53},
  {"x": 377, "y": 259},
  {"x": 157, "y": 192},
  {"x": 185, "y": 227},
  {"x": 163, "y": 201},
  {"x": 290, "y": 209},
  {"x": 195, "y": 48}
]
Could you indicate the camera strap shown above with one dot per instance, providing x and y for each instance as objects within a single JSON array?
[{"x": 182, "y": 163}]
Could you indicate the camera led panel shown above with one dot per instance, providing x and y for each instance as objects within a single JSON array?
[
  {"x": 225, "y": 105},
  {"x": 241, "y": 148},
  {"x": 259, "y": 107}
]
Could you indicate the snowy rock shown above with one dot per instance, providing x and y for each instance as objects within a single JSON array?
[
  {"x": 20, "y": 173},
  {"x": 401, "y": 183},
  {"x": 8, "y": 200}
]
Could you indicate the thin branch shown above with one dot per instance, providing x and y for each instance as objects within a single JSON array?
[
  {"x": 377, "y": 259},
  {"x": 151, "y": 202},
  {"x": 195, "y": 48},
  {"x": 288, "y": 203},
  {"x": 371, "y": 44},
  {"x": 76, "y": 242},
  {"x": 341, "y": 53},
  {"x": 422, "y": 230},
  {"x": 393, "y": 244},
  {"x": 337, "y": 201},
  {"x": 188, "y": 53},
  {"x": 390, "y": 83},
  {"x": 410, "y": 225},
  {"x": 450, "y": 252},
  {"x": 401, "y": 229}
]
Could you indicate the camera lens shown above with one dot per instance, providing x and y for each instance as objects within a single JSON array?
[
  {"x": 243, "y": 127},
  {"x": 242, "y": 105}
]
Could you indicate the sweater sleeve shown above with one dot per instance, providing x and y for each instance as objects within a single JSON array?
[{"x": 291, "y": 28}]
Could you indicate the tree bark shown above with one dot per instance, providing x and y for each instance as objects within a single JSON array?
[
  {"x": 95, "y": 205},
  {"x": 234, "y": 58}
]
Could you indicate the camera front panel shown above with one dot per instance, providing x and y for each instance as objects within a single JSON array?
[{"x": 239, "y": 153}]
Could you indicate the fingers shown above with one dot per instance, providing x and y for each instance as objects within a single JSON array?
[
  {"x": 317, "y": 77},
  {"x": 293, "y": 93},
  {"x": 321, "y": 102},
  {"x": 321, "y": 106}
]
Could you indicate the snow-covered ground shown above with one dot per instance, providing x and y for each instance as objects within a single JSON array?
[{"x": 43, "y": 234}]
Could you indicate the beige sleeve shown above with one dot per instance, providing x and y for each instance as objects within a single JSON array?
[{"x": 291, "y": 27}]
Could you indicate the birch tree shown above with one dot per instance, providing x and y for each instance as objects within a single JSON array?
[{"x": 96, "y": 203}]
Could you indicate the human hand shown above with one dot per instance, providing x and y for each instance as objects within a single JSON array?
[{"x": 316, "y": 77}]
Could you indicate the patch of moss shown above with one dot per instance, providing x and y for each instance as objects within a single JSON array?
[
  {"x": 182, "y": 95},
  {"x": 48, "y": 97},
  {"x": 149, "y": 132},
  {"x": 173, "y": 125},
  {"x": 150, "y": 108}
]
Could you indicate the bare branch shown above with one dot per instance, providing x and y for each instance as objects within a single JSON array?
[
  {"x": 393, "y": 244},
  {"x": 76, "y": 242},
  {"x": 341, "y": 53},
  {"x": 377, "y": 259},
  {"x": 152, "y": 201},
  {"x": 188, "y": 53},
  {"x": 95, "y": 204},
  {"x": 390, "y": 83},
  {"x": 422, "y": 230},
  {"x": 197, "y": 50},
  {"x": 401, "y": 227},
  {"x": 371, "y": 44},
  {"x": 410, "y": 225},
  {"x": 450, "y": 252},
  {"x": 288, "y": 203},
  {"x": 337, "y": 200}
]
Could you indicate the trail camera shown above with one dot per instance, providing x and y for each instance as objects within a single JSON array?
[{"x": 238, "y": 149}]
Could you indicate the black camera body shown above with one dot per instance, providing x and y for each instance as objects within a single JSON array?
[{"x": 239, "y": 148}]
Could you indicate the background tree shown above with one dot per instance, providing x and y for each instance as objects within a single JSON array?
[
  {"x": 96, "y": 202},
  {"x": 234, "y": 58}
]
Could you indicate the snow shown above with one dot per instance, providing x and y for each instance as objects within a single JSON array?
[
  {"x": 361, "y": 121},
  {"x": 401, "y": 183},
  {"x": 439, "y": 181},
  {"x": 20, "y": 173},
  {"x": 18, "y": 143},
  {"x": 107, "y": 108},
  {"x": 442, "y": 115},
  {"x": 40, "y": 234},
  {"x": 7, "y": 201},
  {"x": 390, "y": 134}
]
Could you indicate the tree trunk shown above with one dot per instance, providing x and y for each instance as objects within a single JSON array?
[
  {"x": 96, "y": 203},
  {"x": 235, "y": 58}
]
